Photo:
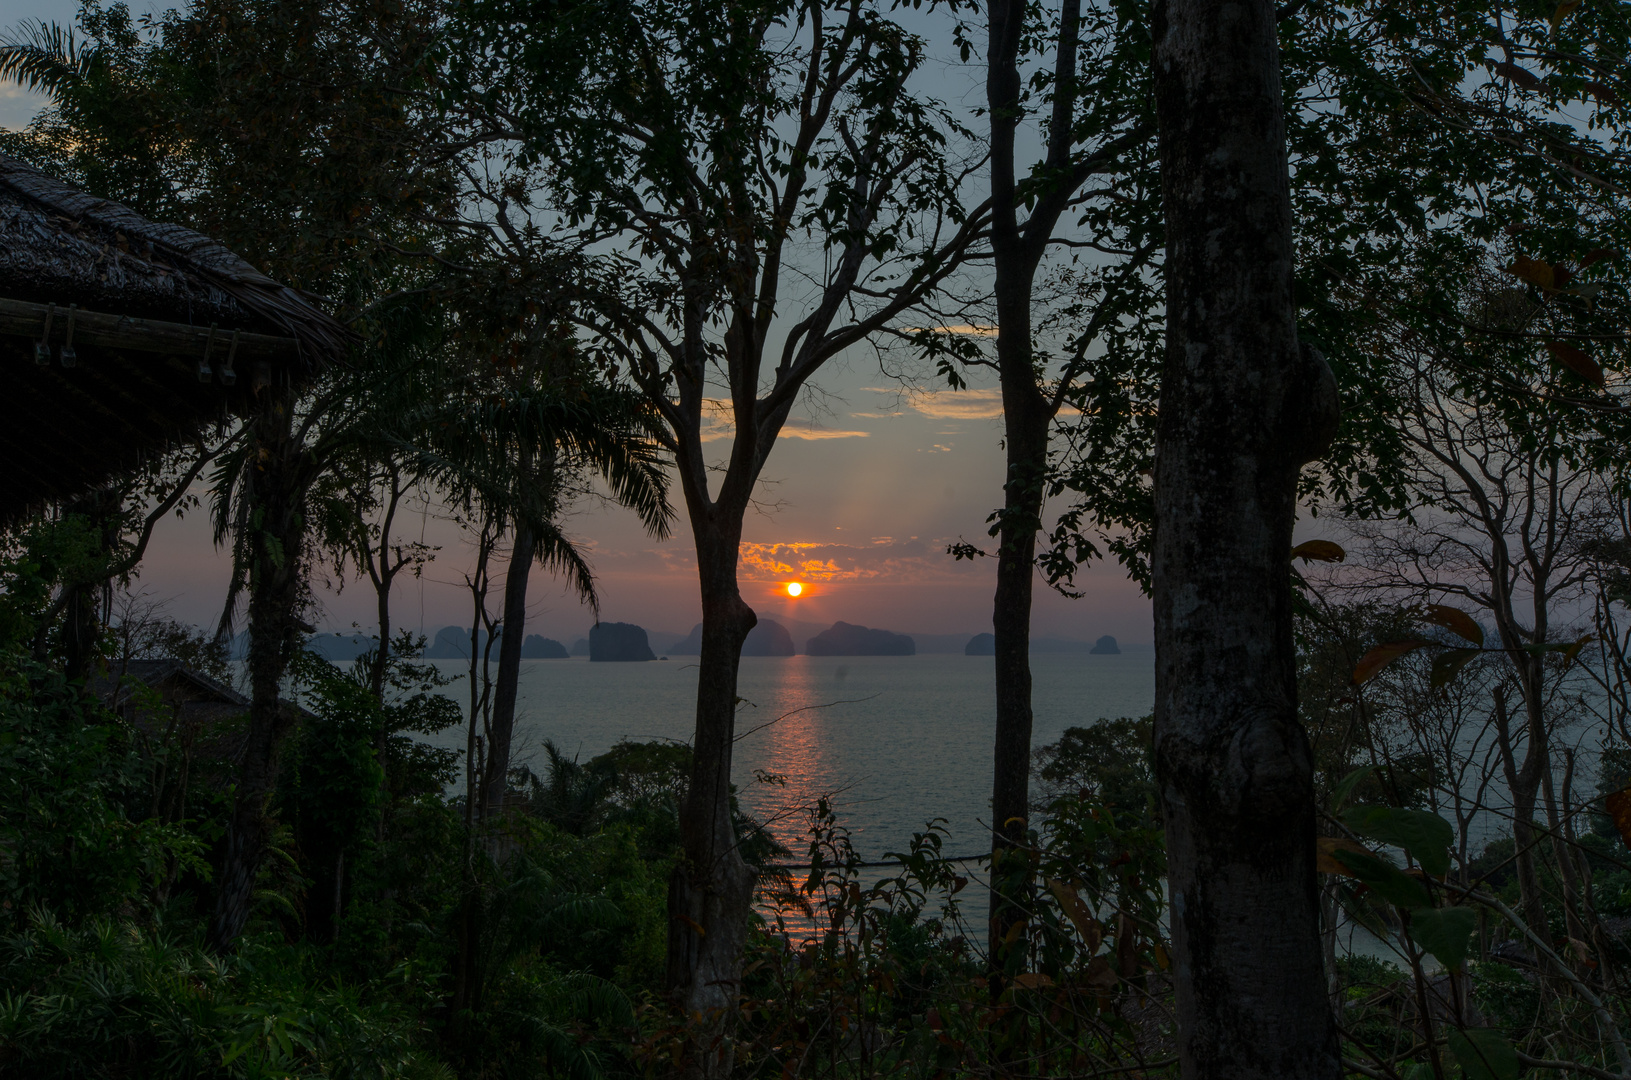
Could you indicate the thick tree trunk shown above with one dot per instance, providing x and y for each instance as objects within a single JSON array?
[
  {"x": 710, "y": 894},
  {"x": 1242, "y": 408},
  {"x": 276, "y": 597},
  {"x": 502, "y": 725}
]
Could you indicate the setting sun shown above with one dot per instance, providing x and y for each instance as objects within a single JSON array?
[{"x": 794, "y": 588}]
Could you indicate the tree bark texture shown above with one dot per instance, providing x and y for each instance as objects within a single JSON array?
[
  {"x": 275, "y": 551},
  {"x": 710, "y": 893},
  {"x": 1242, "y": 408},
  {"x": 502, "y": 725}
]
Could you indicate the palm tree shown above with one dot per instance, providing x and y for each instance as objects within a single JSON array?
[{"x": 511, "y": 444}]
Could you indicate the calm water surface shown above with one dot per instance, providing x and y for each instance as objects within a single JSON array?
[{"x": 895, "y": 741}]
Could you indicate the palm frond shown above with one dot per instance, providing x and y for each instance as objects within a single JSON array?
[{"x": 45, "y": 56}]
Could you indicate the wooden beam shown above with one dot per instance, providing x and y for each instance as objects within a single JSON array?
[{"x": 24, "y": 319}]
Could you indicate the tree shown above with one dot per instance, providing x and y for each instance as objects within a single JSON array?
[
  {"x": 1098, "y": 129},
  {"x": 743, "y": 129},
  {"x": 1243, "y": 407}
]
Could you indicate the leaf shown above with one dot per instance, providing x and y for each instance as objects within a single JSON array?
[
  {"x": 1484, "y": 1054},
  {"x": 1325, "y": 849},
  {"x": 1380, "y": 657},
  {"x": 1385, "y": 880},
  {"x": 1602, "y": 93},
  {"x": 1444, "y": 932},
  {"x": 1070, "y": 901},
  {"x": 1574, "y": 650},
  {"x": 1588, "y": 291},
  {"x": 1597, "y": 254},
  {"x": 1447, "y": 665},
  {"x": 1619, "y": 808},
  {"x": 1456, "y": 621},
  {"x": 1320, "y": 550},
  {"x": 1537, "y": 273},
  {"x": 1031, "y": 980},
  {"x": 1345, "y": 787},
  {"x": 1563, "y": 11},
  {"x": 1425, "y": 835},
  {"x": 1520, "y": 76},
  {"x": 1577, "y": 361}
]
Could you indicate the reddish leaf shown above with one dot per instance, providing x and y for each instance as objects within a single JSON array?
[
  {"x": 1521, "y": 76},
  {"x": 1603, "y": 93},
  {"x": 1322, "y": 550},
  {"x": 1577, "y": 362},
  {"x": 1456, "y": 621},
  {"x": 1619, "y": 808},
  {"x": 1562, "y": 11},
  {"x": 1325, "y": 860},
  {"x": 1537, "y": 273},
  {"x": 1596, "y": 254},
  {"x": 1031, "y": 980},
  {"x": 1381, "y": 656}
]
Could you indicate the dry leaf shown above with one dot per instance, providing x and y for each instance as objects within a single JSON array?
[
  {"x": 1577, "y": 362},
  {"x": 1321, "y": 550},
  {"x": 1521, "y": 76},
  {"x": 1537, "y": 273},
  {"x": 1326, "y": 862},
  {"x": 1603, "y": 93},
  {"x": 1381, "y": 656},
  {"x": 1456, "y": 621},
  {"x": 1619, "y": 808}
]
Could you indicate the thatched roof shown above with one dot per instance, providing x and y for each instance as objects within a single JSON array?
[{"x": 172, "y": 333}]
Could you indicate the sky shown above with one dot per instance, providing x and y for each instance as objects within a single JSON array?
[{"x": 870, "y": 481}]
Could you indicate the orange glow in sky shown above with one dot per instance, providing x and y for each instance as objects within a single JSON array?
[{"x": 794, "y": 588}]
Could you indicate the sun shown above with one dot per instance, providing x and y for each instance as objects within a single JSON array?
[{"x": 794, "y": 588}]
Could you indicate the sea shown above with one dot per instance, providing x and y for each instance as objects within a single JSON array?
[{"x": 892, "y": 742}]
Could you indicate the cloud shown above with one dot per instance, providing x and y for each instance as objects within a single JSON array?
[
  {"x": 884, "y": 559},
  {"x": 964, "y": 329},
  {"x": 717, "y": 423},
  {"x": 817, "y": 433},
  {"x": 958, "y": 404}
]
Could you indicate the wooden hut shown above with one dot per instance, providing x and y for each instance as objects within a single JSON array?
[{"x": 119, "y": 336}]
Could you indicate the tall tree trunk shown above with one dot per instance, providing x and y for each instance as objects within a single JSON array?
[
  {"x": 710, "y": 894},
  {"x": 1241, "y": 410},
  {"x": 275, "y": 552},
  {"x": 1027, "y": 414},
  {"x": 502, "y": 726},
  {"x": 1025, "y": 424}
]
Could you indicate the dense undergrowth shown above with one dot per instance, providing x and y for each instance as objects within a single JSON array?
[{"x": 391, "y": 939}]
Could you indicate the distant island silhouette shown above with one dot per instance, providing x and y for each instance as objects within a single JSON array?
[
  {"x": 981, "y": 645},
  {"x": 847, "y": 639},
  {"x": 538, "y": 647},
  {"x": 619, "y": 642},
  {"x": 767, "y": 638},
  {"x": 1105, "y": 646}
]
